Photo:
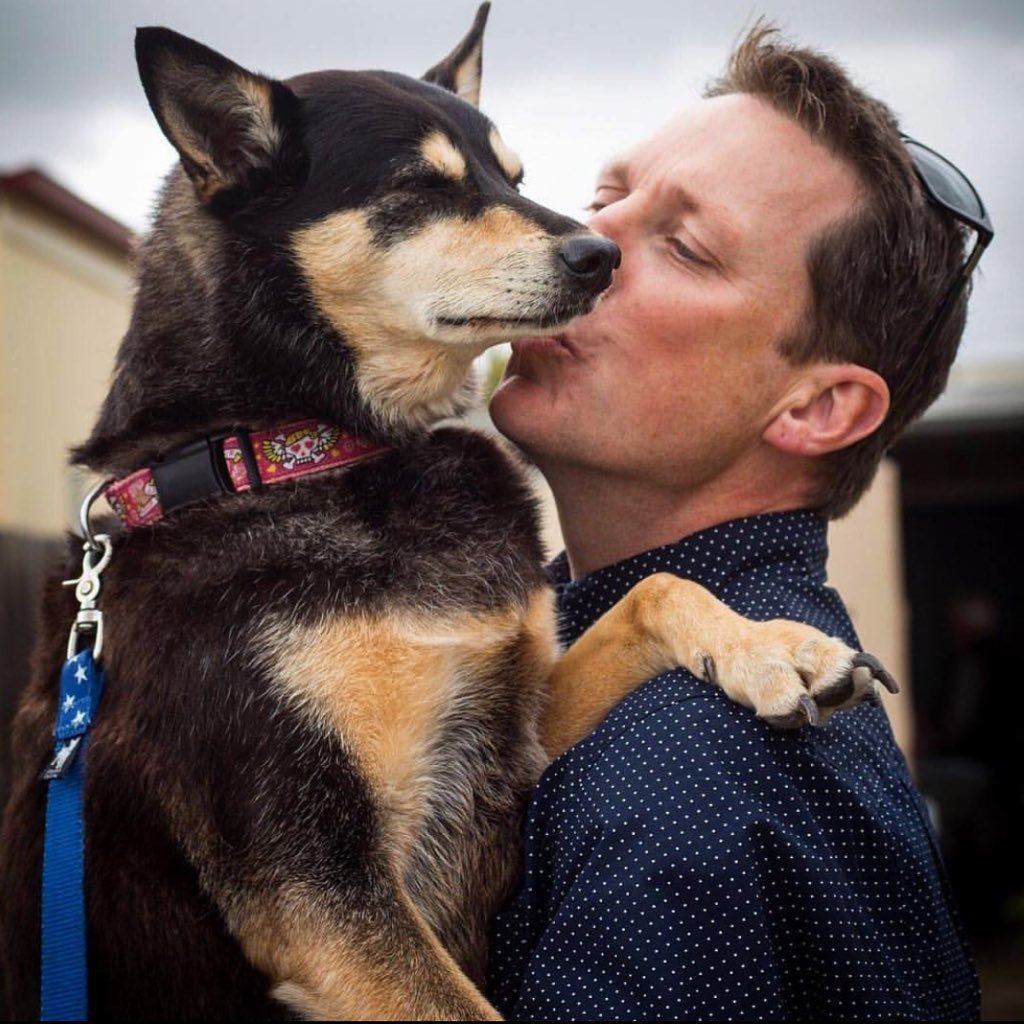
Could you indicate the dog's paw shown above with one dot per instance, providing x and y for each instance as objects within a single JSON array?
[{"x": 793, "y": 675}]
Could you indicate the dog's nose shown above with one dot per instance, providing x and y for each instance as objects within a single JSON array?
[{"x": 591, "y": 258}]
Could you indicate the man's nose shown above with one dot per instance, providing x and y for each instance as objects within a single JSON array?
[
  {"x": 612, "y": 221},
  {"x": 591, "y": 258}
]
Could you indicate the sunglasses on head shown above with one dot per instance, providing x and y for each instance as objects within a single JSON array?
[{"x": 947, "y": 186}]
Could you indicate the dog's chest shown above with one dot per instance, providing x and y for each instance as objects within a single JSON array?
[{"x": 440, "y": 715}]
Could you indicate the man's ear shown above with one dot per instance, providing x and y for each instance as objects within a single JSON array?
[
  {"x": 234, "y": 130},
  {"x": 829, "y": 407},
  {"x": 459, "y": 72}
]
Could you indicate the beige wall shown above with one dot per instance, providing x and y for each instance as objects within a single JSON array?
[
  {"x": 866, "y": 566},
  {"x": 64, "y": 306}
]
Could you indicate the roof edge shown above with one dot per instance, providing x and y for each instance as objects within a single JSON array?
[{"x": 38, "y": 187}]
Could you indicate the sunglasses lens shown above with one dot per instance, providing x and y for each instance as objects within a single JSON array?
[{"x": 947, "y": 184}]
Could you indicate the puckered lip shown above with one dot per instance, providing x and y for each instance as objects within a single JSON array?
[{"x": 543, "y": 342}]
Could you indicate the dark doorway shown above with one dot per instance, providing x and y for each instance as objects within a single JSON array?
[{"x": 963, "y": 529}]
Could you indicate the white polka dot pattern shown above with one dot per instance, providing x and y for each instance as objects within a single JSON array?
[{"x": 686, "y": 861}]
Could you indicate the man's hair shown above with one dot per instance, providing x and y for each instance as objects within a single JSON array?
[{"x": 878, "y": 276}]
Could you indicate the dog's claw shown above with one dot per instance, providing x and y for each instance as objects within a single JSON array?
[
  {"x": 793, "y": 675},
  {"x": 710, "y": 671},
  {"x": 840, "y": 693},
  {"x": 810, "y": 709},
  {"x": 869, "y": 661}
]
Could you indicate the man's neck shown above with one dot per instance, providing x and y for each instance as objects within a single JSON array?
[{"x": 605, "y": 520}]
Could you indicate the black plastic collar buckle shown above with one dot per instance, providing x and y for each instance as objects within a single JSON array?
[{"x": 194, "y": 472}]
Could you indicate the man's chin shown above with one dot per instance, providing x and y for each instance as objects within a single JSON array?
[
  {"x": 513, "y": 406},
  {"x": 503, "y": 400}
]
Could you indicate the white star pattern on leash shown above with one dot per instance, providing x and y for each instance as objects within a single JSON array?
[
  {"x": 80, "y": 674},
  {"x": 79, "y": 718},
  {"x": 69, "y": 702}
]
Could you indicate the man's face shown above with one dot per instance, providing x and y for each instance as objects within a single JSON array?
[{"x": 675, "y": 374}]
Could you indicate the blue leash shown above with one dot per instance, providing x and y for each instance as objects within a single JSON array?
[
  {"x": 63, "y": 970},
  {"x": 63, "y": 978}
]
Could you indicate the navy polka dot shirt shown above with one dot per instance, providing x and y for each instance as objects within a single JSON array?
[{"x": 688, "y": 862}]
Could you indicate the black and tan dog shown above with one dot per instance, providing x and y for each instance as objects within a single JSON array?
[{"x": 327, "y": 701}]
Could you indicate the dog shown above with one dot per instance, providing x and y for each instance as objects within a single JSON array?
[{"x": 328, "y": 700}]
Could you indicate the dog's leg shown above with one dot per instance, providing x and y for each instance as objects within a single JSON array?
[
  {"x": 789, "y": 673},
  {"x": 371, "y": 959}
]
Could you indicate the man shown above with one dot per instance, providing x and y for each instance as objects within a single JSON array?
[{"x": 789, "y": 299}]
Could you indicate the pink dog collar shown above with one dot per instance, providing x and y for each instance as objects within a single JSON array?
[{"x": 232, "y": 462}]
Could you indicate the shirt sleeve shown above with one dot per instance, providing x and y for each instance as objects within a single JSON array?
[{"x": 655, "y": 904}]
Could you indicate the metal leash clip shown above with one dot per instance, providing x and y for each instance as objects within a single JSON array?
[
  {"x": 97, "y": 550},
  {"x": 62, "y": 760},
  {"x": 63, "y": 967}
]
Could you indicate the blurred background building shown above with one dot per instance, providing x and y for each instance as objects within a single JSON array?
[{"x": 65, "y": 299}]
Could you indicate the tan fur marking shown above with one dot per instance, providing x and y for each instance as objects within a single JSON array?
[
  {"x": 391, "y": 968},
  {"x": 662, "y": 623},
  {"x": 400, "y": 369},
  {"x": 540, "y": 633},
  {"x": 210, "y": 182},
  {"x": 440, "y": 152},
  {"x": 389, "y": 304},
  {"x": 382, "y": 685},
  {"x": 265, "y": 134},
  {"x": 510, "y": 162},
  {"x": 467, "y": 76}
]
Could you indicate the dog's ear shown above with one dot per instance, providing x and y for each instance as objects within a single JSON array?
[
  {"x": 236, "y": 132},
  {"x": 459, "y": 72}
]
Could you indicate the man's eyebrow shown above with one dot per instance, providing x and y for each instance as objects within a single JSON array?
[
  {"x": 717, "y": 230},
  {"x": 722, "y": 234}
]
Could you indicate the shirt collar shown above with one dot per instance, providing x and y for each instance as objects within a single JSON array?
[{"x": 792, "y": 543}]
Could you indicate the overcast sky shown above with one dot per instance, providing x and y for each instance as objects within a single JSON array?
[{"x": 568, "y": 83}]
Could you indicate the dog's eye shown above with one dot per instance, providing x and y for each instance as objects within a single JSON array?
[
  {"x": 421, "y": 178},
  {"x": 431, "y": 180}
]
